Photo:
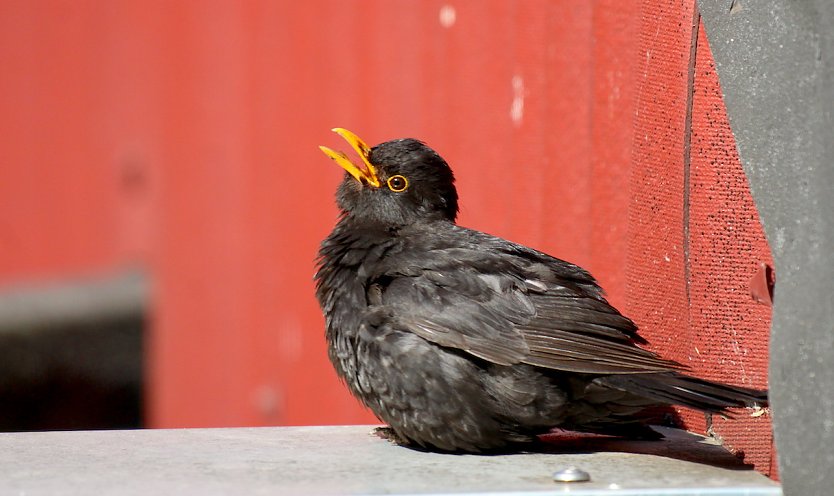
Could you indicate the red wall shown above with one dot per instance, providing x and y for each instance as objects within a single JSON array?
[{"x": 184, "y": 137}]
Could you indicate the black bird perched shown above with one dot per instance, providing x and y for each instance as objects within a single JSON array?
[{"x": 465, "y": 342}]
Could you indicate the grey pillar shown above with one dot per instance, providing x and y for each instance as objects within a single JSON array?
[{"x": 775, "y": 61}]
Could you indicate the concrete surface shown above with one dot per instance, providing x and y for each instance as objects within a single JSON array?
[
  {"x": 775, "y": 62},
  {"x": 351, "y": 460}
]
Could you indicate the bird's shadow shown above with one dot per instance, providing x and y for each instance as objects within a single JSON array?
[{"x": 677, "y": 444}]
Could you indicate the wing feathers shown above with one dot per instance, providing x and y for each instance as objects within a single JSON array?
[
  {"x": 688, "y": 391},
  {"x": 508, "y": 304},
  {"x": 590, "y": 354}
]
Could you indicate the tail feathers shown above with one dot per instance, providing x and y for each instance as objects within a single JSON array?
[{"x": 678, "y": 389}]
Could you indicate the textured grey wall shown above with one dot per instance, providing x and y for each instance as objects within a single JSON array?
[{"x": 775, "y": 61}]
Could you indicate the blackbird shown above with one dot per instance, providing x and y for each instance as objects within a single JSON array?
[{"x": 465, "y": 342}]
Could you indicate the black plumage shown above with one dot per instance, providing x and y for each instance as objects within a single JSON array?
[{"x": 462, "y": 341}]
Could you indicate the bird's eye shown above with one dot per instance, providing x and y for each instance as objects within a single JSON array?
[{"x": 397, "y": 183}]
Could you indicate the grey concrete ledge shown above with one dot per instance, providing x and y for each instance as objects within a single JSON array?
[{"x": 351, "y": 460}]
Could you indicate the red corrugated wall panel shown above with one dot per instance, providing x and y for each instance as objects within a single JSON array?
[
  {"x": 615, "y": 28},
  {"x": 63, "y": 186},
  {"x": 236, "y": 276},
  {"x": 656, "y": 269}
]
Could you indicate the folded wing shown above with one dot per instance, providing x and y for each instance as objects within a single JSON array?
[{"x": 512, "y": 305}]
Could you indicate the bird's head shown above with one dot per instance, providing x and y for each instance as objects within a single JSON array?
[{"x": 398, "y": 182}]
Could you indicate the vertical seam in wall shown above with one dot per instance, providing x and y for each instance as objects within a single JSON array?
[
  {"x": 591, "y": 184},
  {"x": 687, "y": 141}
]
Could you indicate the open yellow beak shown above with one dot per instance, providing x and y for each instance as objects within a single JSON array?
[{"x": 366, "y": 173}]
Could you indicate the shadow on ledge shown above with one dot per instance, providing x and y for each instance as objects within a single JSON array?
[{"x": 677, "y": 444}]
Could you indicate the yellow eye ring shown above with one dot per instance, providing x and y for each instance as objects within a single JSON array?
[{"x": 397, "y": 183}]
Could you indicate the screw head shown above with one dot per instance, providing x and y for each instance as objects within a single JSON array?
[{"x": 571, "y": 474}]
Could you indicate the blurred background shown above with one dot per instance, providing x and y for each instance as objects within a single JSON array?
[{"x": 162, "y": 195}]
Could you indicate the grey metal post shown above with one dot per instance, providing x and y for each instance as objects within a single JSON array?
[{"x": 775, "y": 62}]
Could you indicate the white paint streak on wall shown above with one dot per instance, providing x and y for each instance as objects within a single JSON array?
[
  {"x": 517, "y": 107},
  {"x": 448, "y": 16}
]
